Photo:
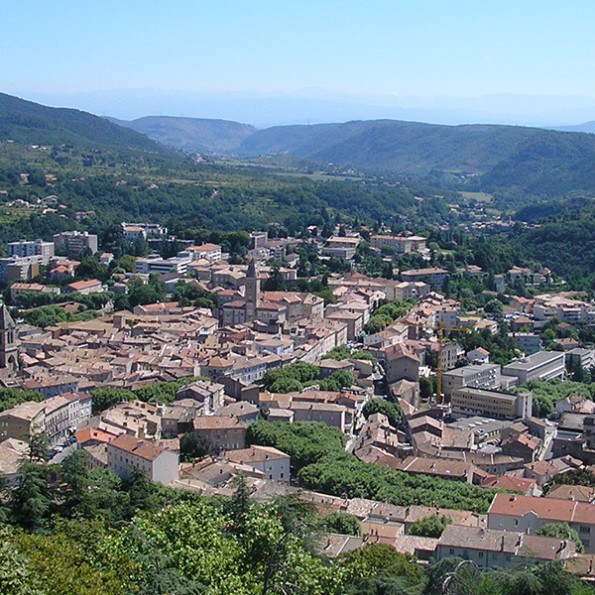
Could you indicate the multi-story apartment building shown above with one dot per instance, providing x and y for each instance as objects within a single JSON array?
[
  {"x": 484, "y": 376},
  {"x": 210, "y": 252},
  {"x": 474, "y": 401},
  {"x": 132, "y": 231},
  {"x": 21, "y": 268},
  {"x": 161, "y": 265},
  {"x": 76, "y": 242},
  {"x": 401, "y": 244},
  {"x": 433, "y": 275},
  {"x": 57, "y": 417},
  {"x": 489, "y": 548},
  {"x": 24, "y": 248}
]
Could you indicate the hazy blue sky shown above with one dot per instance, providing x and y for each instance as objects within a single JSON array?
[{"x": 400, "y": 48}]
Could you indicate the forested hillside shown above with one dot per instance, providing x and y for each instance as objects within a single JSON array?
[
  {"x": 27, "y": 122},
  {"x": 196, "y": 135},
  {"x": 514, "y": 161}
]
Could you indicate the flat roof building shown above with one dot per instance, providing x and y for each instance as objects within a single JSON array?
[
  {"x": 476, "y": 401},
  {"x": 543, "y": 365}
]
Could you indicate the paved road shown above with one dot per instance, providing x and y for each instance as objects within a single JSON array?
[{"x": 68, "y": 450}]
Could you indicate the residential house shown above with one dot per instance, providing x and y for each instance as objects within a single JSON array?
[
  {"x": 511, "y": 512},
  {"x": 148, "y": 456},
  {"x": 273, "y": 463},
  {"x": 489, "y": 548}
]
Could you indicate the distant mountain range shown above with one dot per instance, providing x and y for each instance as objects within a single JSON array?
[
  {"x": 481, "y": 157},
  {"x": 586, "y": 127},
  {"x": 515, "y": 159}
]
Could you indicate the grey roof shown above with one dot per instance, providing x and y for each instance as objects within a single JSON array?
[
  {"x": 537, "y": 359},
  {"x": 6, "y": 321}
]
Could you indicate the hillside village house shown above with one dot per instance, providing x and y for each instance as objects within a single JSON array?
[
  {"x": 510, "y": 512},
  {"x": 153, "y": 460},
  {"x": 489, "y": 548},
  {"x": 273, "y": 463}
]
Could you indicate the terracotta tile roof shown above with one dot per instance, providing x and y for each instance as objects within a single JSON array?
[
  {"x": 506, "y": 482},
  {"x": 145, "y": 449},
  {"x": 78, "y": 285},
  {"x": 550, "y": 509},
  {"x": 255, "y": 454}
]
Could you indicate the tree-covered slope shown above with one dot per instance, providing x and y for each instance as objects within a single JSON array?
[
  {"x": 27, "y": 122},
  {"x": 548, "y": 163},
  {"x": 199, "y": 135},
  {"x": 393, "y": 146}
]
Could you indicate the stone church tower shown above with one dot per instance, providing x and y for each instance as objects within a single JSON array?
[
  {"x": 9, "y": 356},
  {"x": 252, "y": 291}
]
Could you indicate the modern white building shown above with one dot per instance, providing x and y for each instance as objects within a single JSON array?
[
  {"x": 469, "y": 401},
  {"x": 484, "y": 376},
  {"x": 159, "y": 265},
  {"x": 76, "y": 242},
  {"x": 543, "y": 365},
  {"x": 24, "y": 248}
]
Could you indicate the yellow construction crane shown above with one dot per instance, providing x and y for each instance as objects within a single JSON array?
[{"x": 440, "y": 332}]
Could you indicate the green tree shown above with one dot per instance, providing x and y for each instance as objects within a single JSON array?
[
  {"x": 563, "y": 531},
  {"x": 16, "y": 576},
  {"x": 431, "y": 526},
  {"x": 30, "y": 500},
  {"x": 74, "y": 489},
  {"x": 90, "y": 268},
  {"x": 426, "y": 388},
  {"x": 340, "y": 522},
  {"x": 104, "y": 398},
  {"x": 392, "y": 411},
  {"x": 379, "y": 565},
  {"x": 338, "y": 380},
  {"x": 193, "y": 445},
  {"x": 39, "y": 448}
]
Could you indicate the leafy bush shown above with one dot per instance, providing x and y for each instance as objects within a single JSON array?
[{"x": 431, "y": 526}]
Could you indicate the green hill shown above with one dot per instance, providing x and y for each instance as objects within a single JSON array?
[
  {"x": 198, "y": 135},
  {"x": 547, "y": 163},
  {"x": 393, "y": 146},
  {"x": 492, "y": 158},
  {"x": 30, "y": 123}
]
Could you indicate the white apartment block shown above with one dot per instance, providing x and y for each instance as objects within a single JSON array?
[
  {"x": 469, "y": 401},
  {"x": 484, "y": 376},
  {"x": 133, "y": 231},
  {"x": 144, "y": 266},
  {"x": 401, "y": 244},
  {"x": 24, "y": 248},
  {"x": 76, "y": 242}
]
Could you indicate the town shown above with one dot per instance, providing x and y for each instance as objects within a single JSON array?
[{"x": 179, "y": 385}]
